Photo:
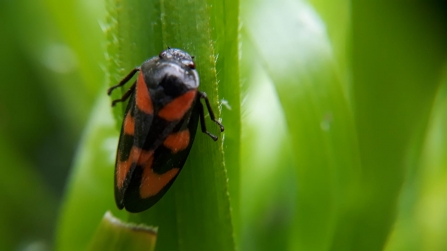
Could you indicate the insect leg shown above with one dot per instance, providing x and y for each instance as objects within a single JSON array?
[
  {"x": 126, "y": 95},
  {"x": 123, "y": 81},
  {"x": 202, "y": 121},
  {"x": 210, "y": 110}
]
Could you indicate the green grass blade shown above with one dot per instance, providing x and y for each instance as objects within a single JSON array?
[
  {"x": 113, "y": 234},
  {"x": 421, "y": 224},
  {"x": 268, "y": 177},
  {"x": 195, "y": 213},
  {"x": 394, "y": 85},
  {"x": 291, "y": 42}
]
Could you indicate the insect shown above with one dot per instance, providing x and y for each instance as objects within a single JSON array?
[{"x": 159, "y": 127}]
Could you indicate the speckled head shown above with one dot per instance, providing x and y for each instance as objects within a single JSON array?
[
  {"x": 178, "y": 55},
  {"x": 169, "y": 75}
]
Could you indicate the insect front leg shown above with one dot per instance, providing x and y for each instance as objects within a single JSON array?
[{"x": 123, "y": 81}]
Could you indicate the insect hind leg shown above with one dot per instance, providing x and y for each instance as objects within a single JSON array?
[
  {"x": 203, "y": 95},
  {"x": 123, "y": 81},
  {"x": 202, "y": 121}
]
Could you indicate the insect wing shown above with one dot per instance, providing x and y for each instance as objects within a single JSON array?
[
  {"x": 152, "y": 178},
  {"x": 153, "y": 145},
  {"x": 134, "y": 134},
  {"x": 124, "y": 157}
]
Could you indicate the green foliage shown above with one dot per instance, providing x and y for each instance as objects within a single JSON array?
[
  {"x": 355, "y": 93},
  {"x": 335, "y": 140}
]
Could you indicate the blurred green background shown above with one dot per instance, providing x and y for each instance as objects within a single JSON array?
[{"x": 335, "y": 136}]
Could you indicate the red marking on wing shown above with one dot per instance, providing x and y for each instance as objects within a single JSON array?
[
  {"x": 129, "y": 124},
  {"x": 143, "y": 98},
  {"x": 123, "y": 167},
  {"x": 177, "y": 108},
  {"x": 146, "y": 158},
  {"x": 151, "y": 182},
  {"x": 177, "y": 141}
]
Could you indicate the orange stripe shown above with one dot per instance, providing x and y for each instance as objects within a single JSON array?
[
  {"x": 177, "y": 141},
  {"x": 145, "y": 158},
  {"x": 129, "y": 124},
  {"x": 123, "y": 167},
  {"x": 177, "y": 108},
  {"x": 144, "y": 102},
  {"x": 152, "y": 183}
]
